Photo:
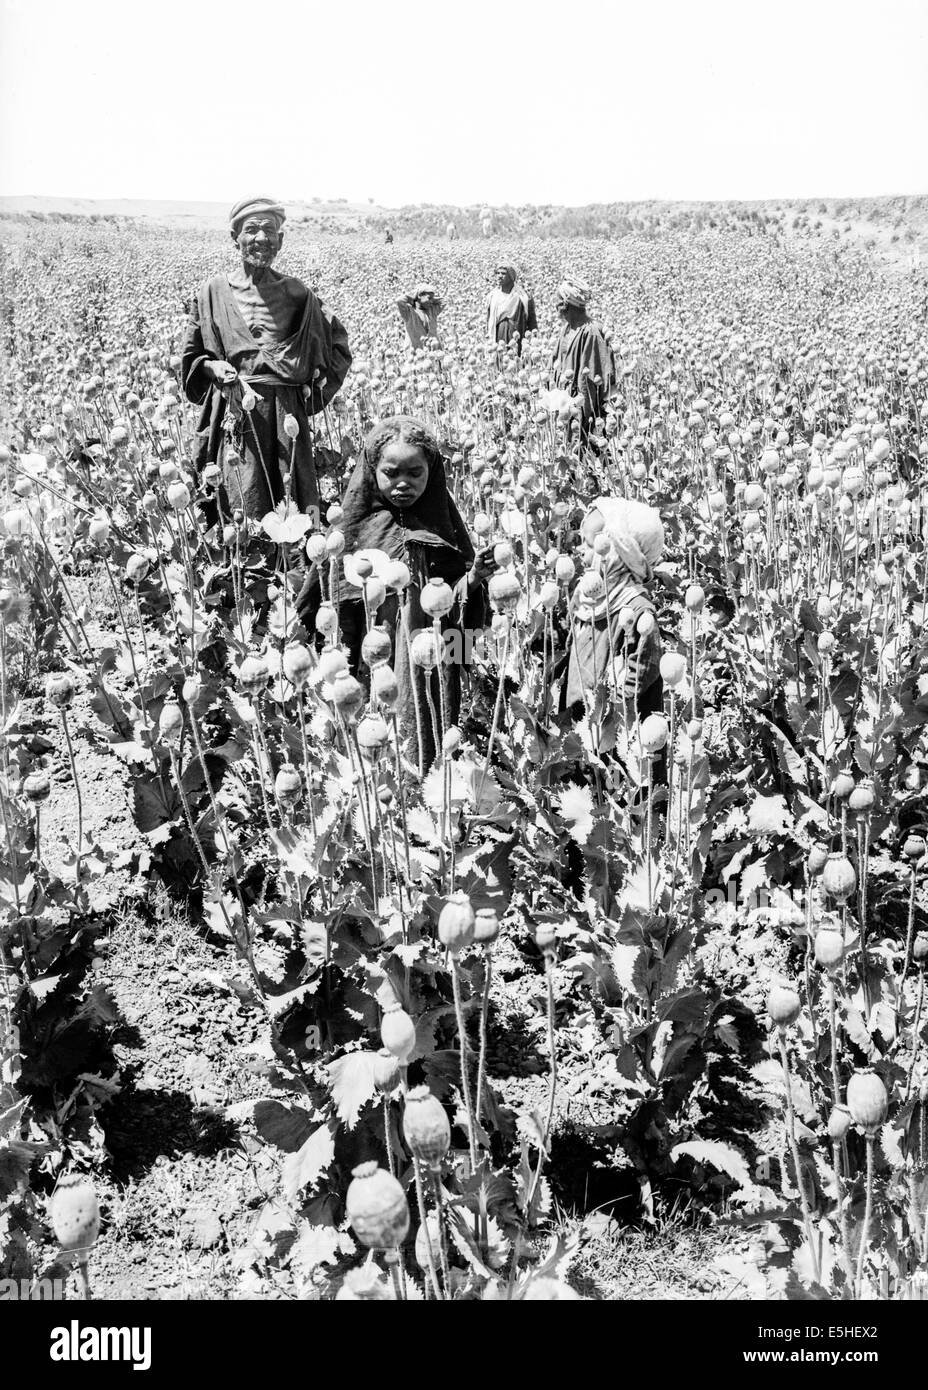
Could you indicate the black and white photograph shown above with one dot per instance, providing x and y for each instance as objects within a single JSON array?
[{"x": 464, "y": 666}]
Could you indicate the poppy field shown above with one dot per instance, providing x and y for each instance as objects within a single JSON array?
[{"x": 436, "y": 1025}]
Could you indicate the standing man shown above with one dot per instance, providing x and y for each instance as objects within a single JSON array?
[
  {"x": 583, "y": 361},
  {"x": 260, "y": 353},
  {"x": 419, "y": 312},
  {"x": 510, "y": 309}
]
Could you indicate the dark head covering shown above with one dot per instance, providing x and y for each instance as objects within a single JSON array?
[{"x": 371, "y": 522}]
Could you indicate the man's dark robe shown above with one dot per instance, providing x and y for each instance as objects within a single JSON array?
[
  {"x": 276, "y": 367},
  {"x": 581, "y": 347}
]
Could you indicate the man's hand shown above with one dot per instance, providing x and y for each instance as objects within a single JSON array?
[
  {"x": 484, "y": 565},
  {"x": 222, "y": 373}
]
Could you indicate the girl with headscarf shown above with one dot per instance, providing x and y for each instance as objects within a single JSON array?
[
  {"x": 583, "y": 362},
  {"x": 607, "y": 647},
  {"x": 510, "y": 309},
  {"x": 397, "y": 507}
]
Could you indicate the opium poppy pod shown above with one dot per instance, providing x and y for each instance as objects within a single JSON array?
[
  {"x": 326, "y": 619},
  {"x": 830, "y": 946},
  {"x": 252, "y": 675},
  {"x": 695, "y": 598},
  {"x": 486, "y": 926},
  {"x": 564, "y": 569},
  {"x": 919, "y": 948},
  {"x": 672, "y": 668},
  {"x": 376, "y": 1207},
  {"x": 914, "y": 848},
  {"x": 386, "y": 1069},
  {"x": 398, "y": 1033},
  {"x": 426, "y": 1128},
  {"x": 838, "y": 877},
  {"x": 784, "y": 1006},
  {"x": 171, "y": 723},
  {"x": 37, "y": 787},
  {"x": 347, "y": 694},
  {"x": 839, "y": 1122},
  {"x": 298, "y": 664},
  {"x": 867, "y": 1100},
  {"x": 75, "y": 1213},
  {"x": 59, "y": 690},
  {"x": 372, "y": 735},
  {"x": 384, "y": 687},
  {"x": 653, "y": 733},
  {"x": 436, "y": 598},
  {"x": 861, "y": 799},
  {"x": 456, "y": 923},
  {"x": 818, "y": 858},
  {"x": 376, "y": 647},
  {"x": 504, "y": 591},
  {"x": 288, "y": 784}
]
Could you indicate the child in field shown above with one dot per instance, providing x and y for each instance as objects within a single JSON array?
[
  {"x": 397, "y": 504},
  {"x": 608, "y": 645}
]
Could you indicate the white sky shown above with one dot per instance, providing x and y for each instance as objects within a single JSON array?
[{"x": 498, "y": 101}]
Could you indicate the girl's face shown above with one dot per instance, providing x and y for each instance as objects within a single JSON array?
[{"x": 402, "y": 473}]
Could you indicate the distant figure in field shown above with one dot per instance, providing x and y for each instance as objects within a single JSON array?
[
  {"x": 419, "y": 312},
  {"x": 257, "y": 333},
  {"x": 583, "y": 361},
  {"x": 451, "y": 232},
  {"x": 388, "y": 238},
  {"x": 510, "y": 309}
]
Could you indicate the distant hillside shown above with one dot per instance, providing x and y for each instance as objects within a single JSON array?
[{"x": 173, "y": 211}]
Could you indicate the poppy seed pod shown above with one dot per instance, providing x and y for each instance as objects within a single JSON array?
[
  {"x": 179, "y": 496},
  {"x": 818, "y": 858},
  {"x": 695, "y": 598},
  {"x": 546, "y": 938},
  {"x": 436, "y": 598},
  {"x": 914, "y": 847},
  {"x": 291, "y": 426},
  {"x": 424, "y": 651},
  {"x": 288, "y": 784},
  {"x": 398, "y": 1033},
  {"x": 326, "y": 619},
  {"x": 426, "y": 1128},
  {"x": 672, "y": 669},
  {"x": 386, "y": 1070},
  {"x": 842, "y": 785},
  {"x": 298, "y": 664},
  {"x": 75, "y": 1213},
  {"x": 98, "y": 531},
  {"x": 396, "y": 576},
  {"x": 829, "y": 946},
  {"x": 171, "y": 724},
  {"x": 376, "y": 647},
  {"x": 862, "y": 798},
  {"x": 920, "y": 949},
  {"x": 334, "y": 544},
  {"x": 452, "y": 740},
  {"x": 825, "y": 643},
  {"x": 363, "y": 567},
  {"x": 372, "y": 735},
  {"x": 347, "y": 694},
  {"x": 252, "y": 675},
  {"x": 839, "y": 1122},
  {"x": 564, "y": 569},
  {"x": 838, "y": 877},
  {"x": 504, "y": 591},
  {"x": 486, "y": 926},
  {"x": 548, "y": 594},
  {"x": 59, "y": 690},
  {"x": 192, "y": 689},
  {"x": 37, "y": 787},
  {"x": 502, "y": 554},
  {"x": 754, "y": 496},
  {"x": 331, "y": 663},
  {"x": 375, "y": 591},
  {"x": 694, "y": 729},
  {"x": 867, "y": 1100},
  {"x": 783, "y": 1006},
  {"x": 137, "y": 567},
  {"x": 315, "y": 549},
  {"x": 456, "y": 923},
  {"x": 376, "y": 1207},
  {"x": 653, "y": 734},
  {"x": 334, "y": 514},
  {"x": 384, "y": 687}
]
